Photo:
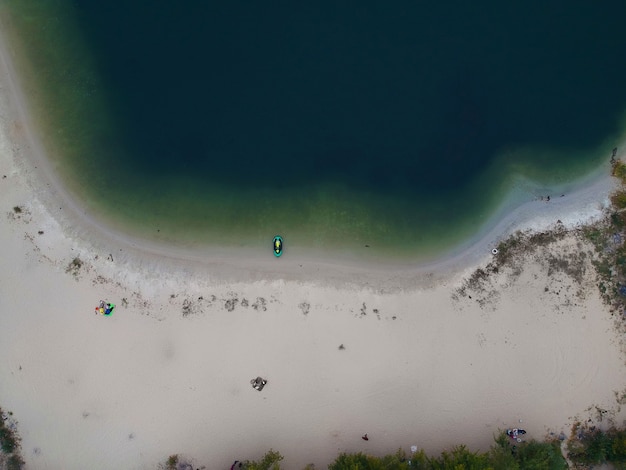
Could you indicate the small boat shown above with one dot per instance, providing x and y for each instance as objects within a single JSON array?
[{"x": 278, "y": 245}]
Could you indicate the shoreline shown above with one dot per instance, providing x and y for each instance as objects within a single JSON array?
[
  {"x": 92, "y": 231},
  {"x": 169, "y": 371}
]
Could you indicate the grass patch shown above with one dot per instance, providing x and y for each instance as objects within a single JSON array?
[
  {"x": 618, "y": 199},
  {"x": 172, "y": 462},
  {"x": 618, "y": 220},
  {"x": 596, "y": 236},
  {"x": 619, "y": 171},
  {"x": 502, "y": 455},
  {"x": 8, "y": 442}
]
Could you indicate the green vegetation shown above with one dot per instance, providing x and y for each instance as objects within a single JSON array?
[
  {"x": 608, "y": 239},
  {"x": 268, "y": 462},
  {"x": 172, "y": 462},
  {"x": 14, "y": 462},
  {"x": 362, "y": 461},
  {"x": 619, "y": 199},
  {"x": 619, "y": 170},
  {"x": 503, "y": 455},
  {"x": 594, "y": 446},
  {"x": 618, "y": 220},
  {"x": 596, "y": 236},
  {"x": 9, "y": 443},
  {"x": 176, "y": 462}
]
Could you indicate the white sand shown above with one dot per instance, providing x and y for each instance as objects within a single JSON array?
[{"x": 423, "y": 368}]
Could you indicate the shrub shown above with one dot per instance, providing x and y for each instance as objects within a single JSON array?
[
  {"x": 619, "y": 199},
  {"x": 268, "y": 462},
  {"x": 619, "y": 171},
  {"x": 596, "y": 447},
  {"x": 8, "y": 443},
  {"x": 15, "y": 462},
  {"x": 172, "y": 461}
]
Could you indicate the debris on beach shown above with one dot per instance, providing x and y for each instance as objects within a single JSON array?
[
  {"x": 104, "y": 308},
  {"x": 305, "y": 307},
  {"x": 260, "y": 304},
  {"x": 188, "y": 307},
  {"x": 231, "y": 304},
  {"x": 515, "y": 434},
  {"x": 258, "y": 383},
  {"x": 74, "y": 267}
]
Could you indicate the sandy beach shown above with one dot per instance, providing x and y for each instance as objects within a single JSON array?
[{"x": 403, "y": 353}]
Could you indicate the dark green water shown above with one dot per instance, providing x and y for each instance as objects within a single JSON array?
[{"x": 343, "y": 124}]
